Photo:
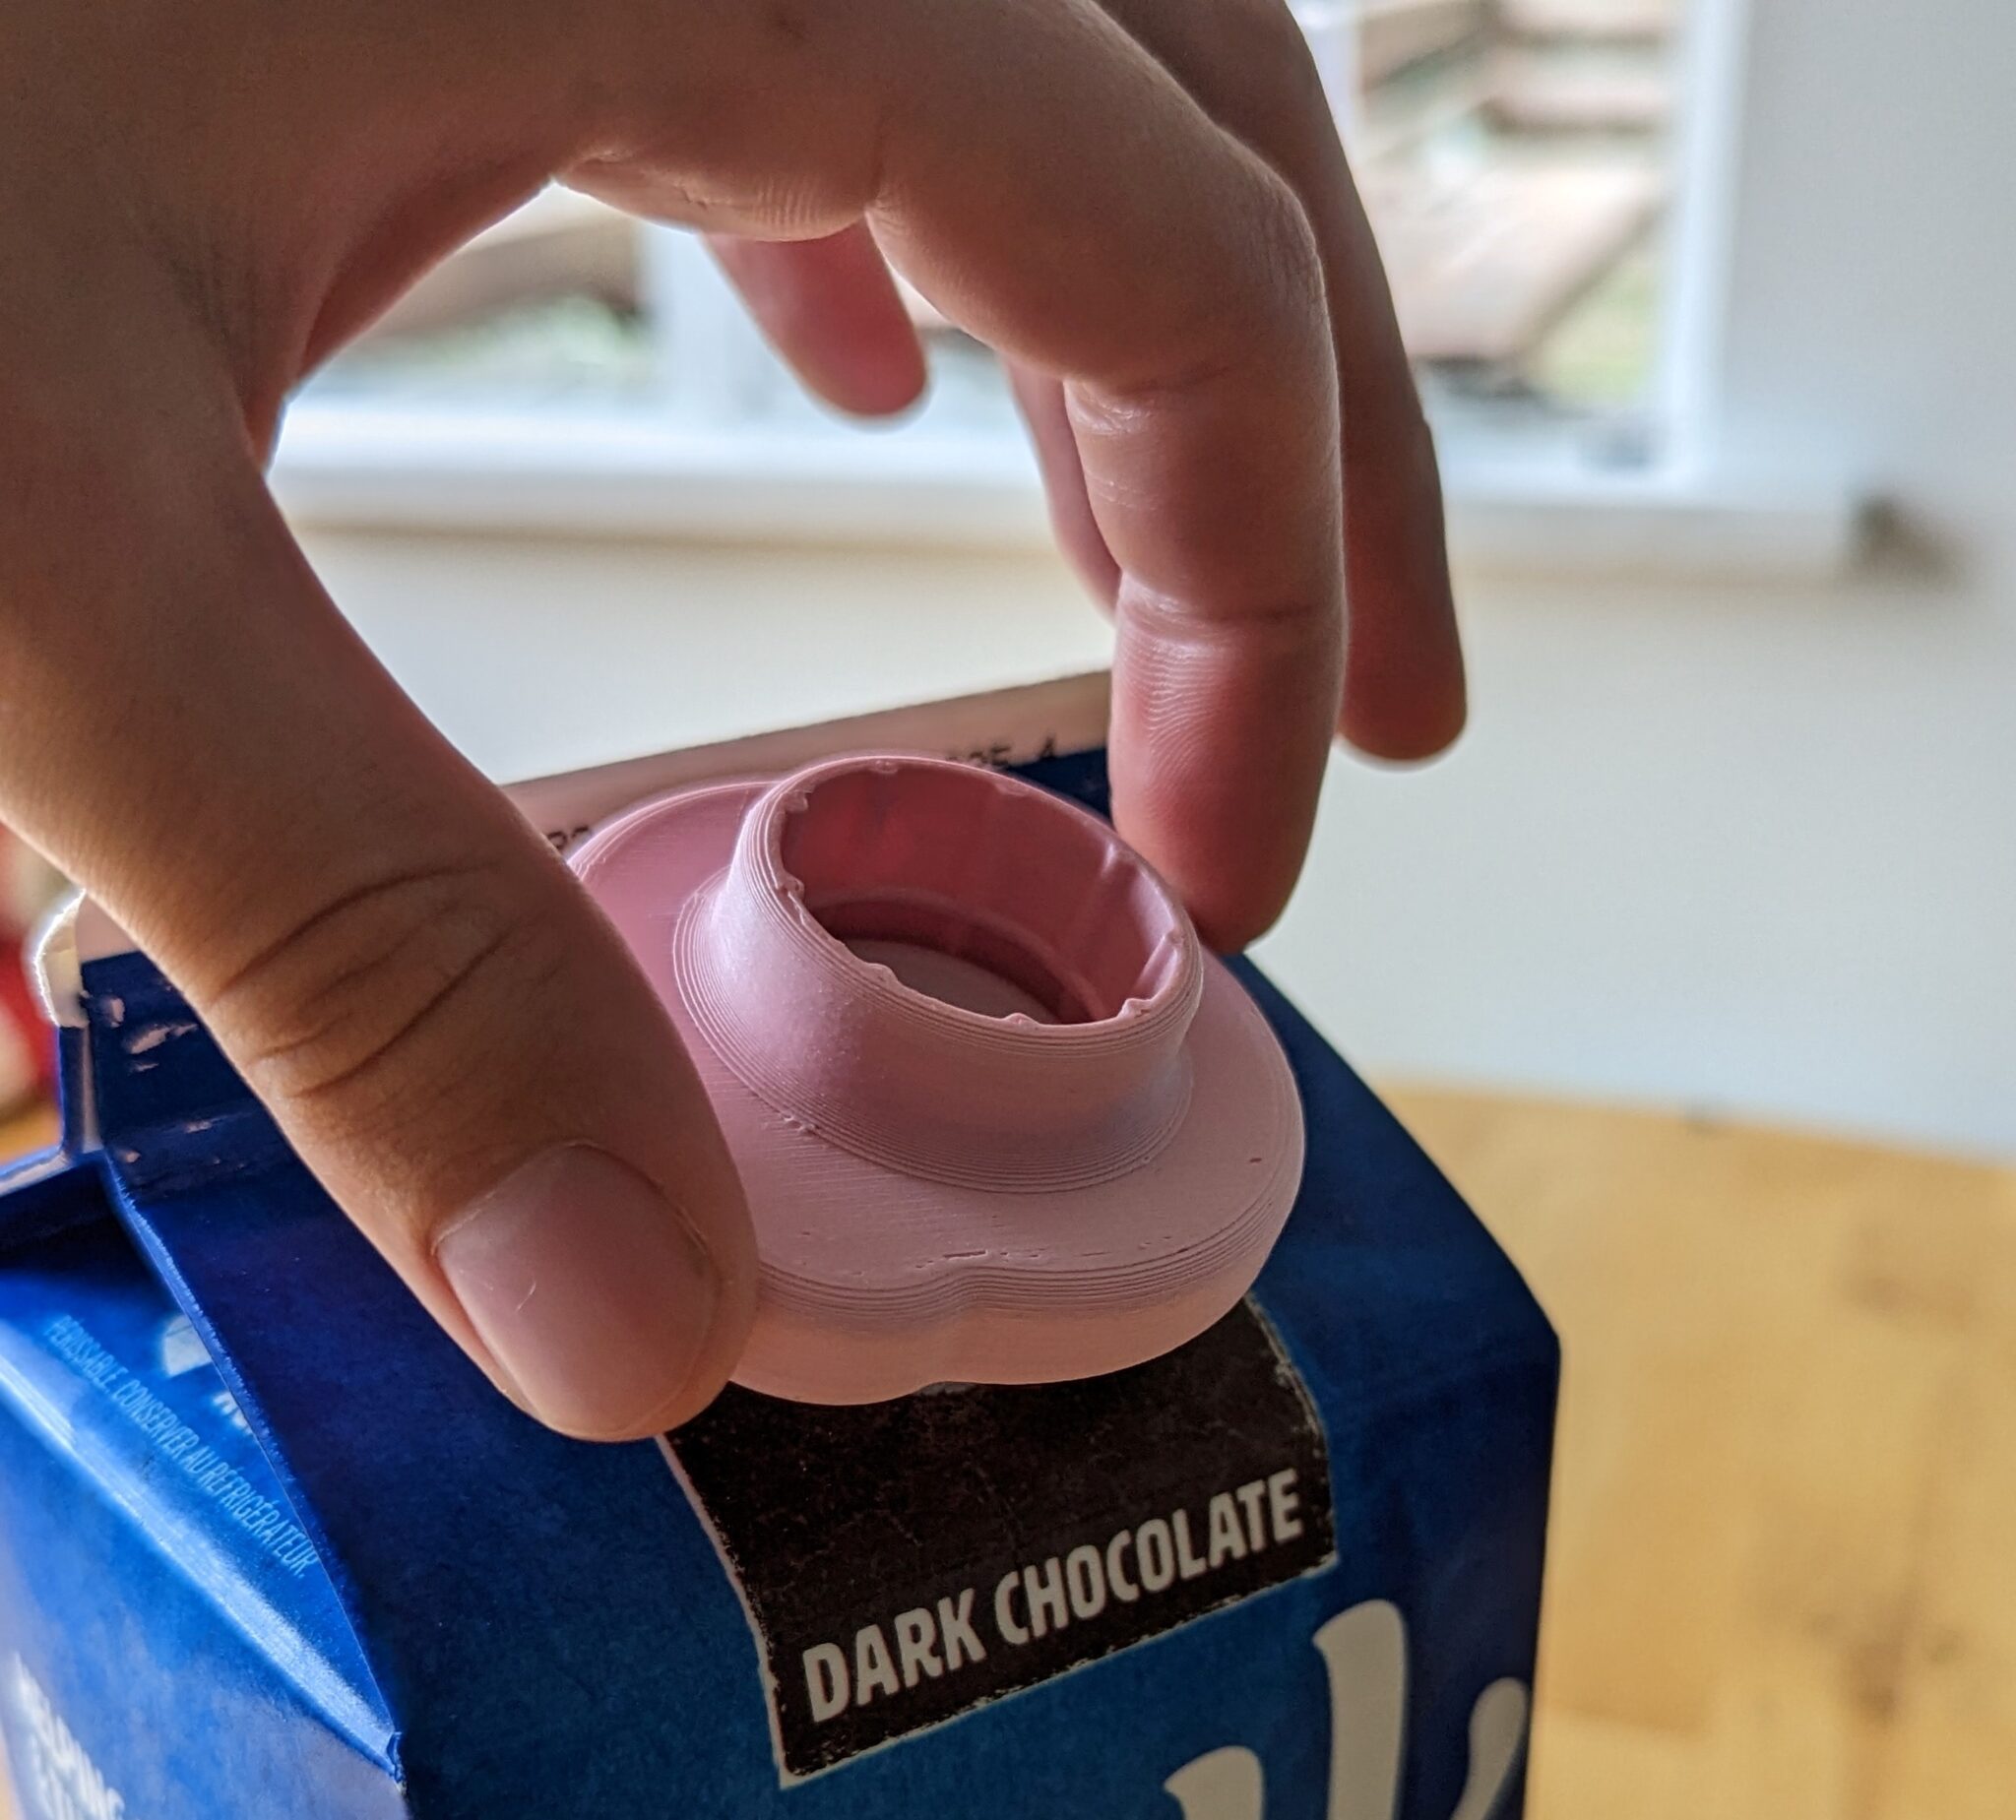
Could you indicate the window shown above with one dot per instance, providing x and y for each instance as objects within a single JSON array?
[
  {"x": 1518, "y": 159},
  {"x": 1515, "y": 159}
]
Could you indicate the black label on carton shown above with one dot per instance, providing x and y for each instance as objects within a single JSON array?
[{"x": 905, "y": 1562}]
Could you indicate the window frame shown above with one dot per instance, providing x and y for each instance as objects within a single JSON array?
[{"x": 689, "y": 464}]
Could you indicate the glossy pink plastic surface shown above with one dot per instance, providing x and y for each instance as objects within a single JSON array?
[{"x": 999, "y": 1117}]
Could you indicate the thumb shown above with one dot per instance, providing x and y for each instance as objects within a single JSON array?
[{"x": 448, "y": 1032}]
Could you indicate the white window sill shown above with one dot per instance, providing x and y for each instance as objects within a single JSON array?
[{"x": 371, "y": 467}]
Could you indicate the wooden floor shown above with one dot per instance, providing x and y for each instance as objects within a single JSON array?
[
  {"x": 1783, "y": 1583},
  {"x": 1784, "y": 1573}
]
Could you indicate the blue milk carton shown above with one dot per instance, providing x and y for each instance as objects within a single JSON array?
[{"x": 275, "y": 1551}]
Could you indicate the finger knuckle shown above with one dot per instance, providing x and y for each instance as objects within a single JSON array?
[
  {"x": 1258, "y": 305},
  {"x": 1288, "y": 263},
  {"x": 1302, "y": 625},
  {"x": 375, "y": 1002}
]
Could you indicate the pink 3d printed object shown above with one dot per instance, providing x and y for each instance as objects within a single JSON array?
[{"x": 1000, "y": 1118}]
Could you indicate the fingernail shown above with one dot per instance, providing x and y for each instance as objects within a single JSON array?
[{"x": 588, "y": 1287}]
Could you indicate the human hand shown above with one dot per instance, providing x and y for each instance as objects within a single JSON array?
[{"x": 1141, "y": 206}]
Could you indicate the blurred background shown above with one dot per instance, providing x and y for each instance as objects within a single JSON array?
[{"x": 1711, "y": 304}]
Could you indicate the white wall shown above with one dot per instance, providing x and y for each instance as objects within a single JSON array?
[{"x": 1744, "y": 848}]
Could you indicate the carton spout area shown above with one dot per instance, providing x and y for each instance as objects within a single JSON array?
[{"x": 938, "y": 1191}]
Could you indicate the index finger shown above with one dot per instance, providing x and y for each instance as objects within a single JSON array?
[
  {"x": 1051, "y": 187},
  {"x": 1249, "y": 64}
]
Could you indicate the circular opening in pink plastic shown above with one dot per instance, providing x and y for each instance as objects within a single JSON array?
[{"x": 980, "y": 892}]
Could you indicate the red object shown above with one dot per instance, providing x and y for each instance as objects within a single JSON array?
[{"x": 27, "y": 1048}]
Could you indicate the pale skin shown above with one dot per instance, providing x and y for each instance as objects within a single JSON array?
[{"x": 1142, "y": 204}]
